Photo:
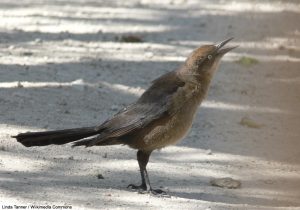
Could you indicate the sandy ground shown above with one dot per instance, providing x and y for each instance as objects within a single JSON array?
[{"x": 62, "y": 66}]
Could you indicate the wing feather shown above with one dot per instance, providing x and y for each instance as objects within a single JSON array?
[{"x": 153, "y": 104}]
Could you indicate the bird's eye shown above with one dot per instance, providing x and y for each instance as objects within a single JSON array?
[{"x": 209, "y": 57}]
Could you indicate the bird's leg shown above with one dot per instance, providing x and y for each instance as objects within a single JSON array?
[{"x": 143, "y": 158}]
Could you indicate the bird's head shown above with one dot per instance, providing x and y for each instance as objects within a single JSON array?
[{"x": 203, "y": 62}]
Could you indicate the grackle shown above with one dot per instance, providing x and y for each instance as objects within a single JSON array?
[{"x": 160, "y": 117}]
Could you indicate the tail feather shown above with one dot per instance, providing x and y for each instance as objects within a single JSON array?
[
  {"x": 98, "y": 140},
  {"x": 55, "y": 137},
  {"x": 84, "y": 142}
]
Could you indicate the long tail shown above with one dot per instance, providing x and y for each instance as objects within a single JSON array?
[{"x": 55, "y": 137}]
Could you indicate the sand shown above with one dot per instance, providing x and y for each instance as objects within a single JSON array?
[{"x": 62, "y": 66}]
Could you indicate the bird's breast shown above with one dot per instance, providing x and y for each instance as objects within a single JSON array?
[{"x": 183, "y": 108}]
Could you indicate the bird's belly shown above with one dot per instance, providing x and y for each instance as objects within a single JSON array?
[{"x": 172, "y": 131}]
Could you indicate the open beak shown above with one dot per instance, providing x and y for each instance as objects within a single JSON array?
[{"x": 221, "y": 50}]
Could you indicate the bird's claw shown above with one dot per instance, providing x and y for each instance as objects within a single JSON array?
[
  {"x": 142, "y": 189},
  {"x": 137, "y": 187}
]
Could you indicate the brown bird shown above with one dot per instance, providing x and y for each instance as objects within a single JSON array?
[{"x": 160, "y": 117}]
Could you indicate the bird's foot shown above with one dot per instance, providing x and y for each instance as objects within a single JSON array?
[{"x": 142, "y": 189}]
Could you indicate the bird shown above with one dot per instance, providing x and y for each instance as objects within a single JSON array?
[{"x": 162, "y": 115}]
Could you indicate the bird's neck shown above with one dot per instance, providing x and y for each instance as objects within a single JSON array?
[{"x": 201, "y": 81}]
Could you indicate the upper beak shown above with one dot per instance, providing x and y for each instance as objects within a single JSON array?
[{"x": 221, "y": 50}]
